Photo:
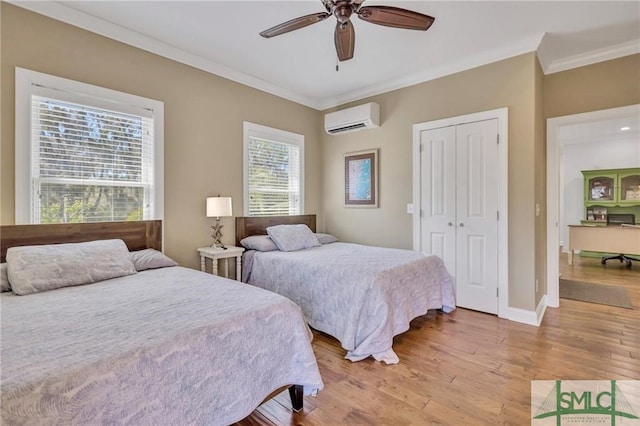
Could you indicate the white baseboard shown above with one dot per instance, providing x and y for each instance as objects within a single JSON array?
[
  {"x": 529, "y": 317},
  {"x": 542, "y": 308}
]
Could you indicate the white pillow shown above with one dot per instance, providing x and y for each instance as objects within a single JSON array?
[
  {"x": 326, "y": 238},
  {"x": 292, "y": 237},
  {"x": 150, "y": 259},
  {"x": 258, "y": 243},
  {"x": 46, "y": 267}
]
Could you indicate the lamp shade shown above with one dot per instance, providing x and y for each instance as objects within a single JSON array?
[{"x": 218, "y": 206}]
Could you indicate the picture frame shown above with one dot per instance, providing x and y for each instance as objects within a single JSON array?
[{"x": 361, "y": 179}]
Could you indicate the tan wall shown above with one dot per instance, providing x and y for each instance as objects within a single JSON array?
[
  {"x": 509, "y": 83},
  {"x": 594, "y": 87},
  {"x": 203, "y": 135},
  {"x": 203, "y": 119},
  {"x": 517, "y": 83}
]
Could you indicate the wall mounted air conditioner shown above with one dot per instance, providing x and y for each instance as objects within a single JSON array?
[{"x": 347, "y": 120}]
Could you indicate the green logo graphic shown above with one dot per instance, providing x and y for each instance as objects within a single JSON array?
[{"x": 610, "y": 402}]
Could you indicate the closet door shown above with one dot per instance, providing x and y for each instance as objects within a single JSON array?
[
  {"x": 476, "y": 215},
  {"x": 459, "y": 205},
  {"x": 438, "y": 200}
]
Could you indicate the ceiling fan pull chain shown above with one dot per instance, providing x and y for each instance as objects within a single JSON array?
[{"x": 337, "y": 64}]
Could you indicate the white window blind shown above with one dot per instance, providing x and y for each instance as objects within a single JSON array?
[
  {"x": 89, "y": 158},
  {"x": 273, "y": 173},
  {"x": 89, "y": 164}
]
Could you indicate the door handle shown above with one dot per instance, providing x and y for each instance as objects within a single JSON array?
[
  {"x": 449, "y": 224},
  {"x": 461, "y": 225}
]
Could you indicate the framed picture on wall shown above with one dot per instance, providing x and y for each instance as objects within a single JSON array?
[{"x": 361, "y": 179}]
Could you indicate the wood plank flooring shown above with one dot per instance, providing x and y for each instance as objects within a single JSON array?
[{"x": 470, "y": 368}]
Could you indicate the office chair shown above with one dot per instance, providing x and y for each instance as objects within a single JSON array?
[{"x": 620, "y": 219}]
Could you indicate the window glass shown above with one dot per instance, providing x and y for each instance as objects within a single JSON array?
[
  {"x": 88, "y": 154},
  {"x": 273, "y": 171}
]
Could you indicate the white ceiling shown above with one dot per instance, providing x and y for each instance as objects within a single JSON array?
[
  {"x": 222, "y": 37},
  {"x": 618, "y": 124}
]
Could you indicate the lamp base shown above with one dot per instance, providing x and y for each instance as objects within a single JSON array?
[{"x": 217, "y": 235}]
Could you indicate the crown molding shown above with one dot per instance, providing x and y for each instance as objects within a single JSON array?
[
  {"x": 116, "y": 32},
  {"x": 599, "y": 55},
  {"x": 513, "y": 49}
]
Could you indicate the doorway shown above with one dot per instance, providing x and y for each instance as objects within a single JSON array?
[
  {"x": 460, "y": 198},
  {"x": 592, "y": 127}
]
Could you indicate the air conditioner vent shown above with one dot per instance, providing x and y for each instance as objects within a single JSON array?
[
  {"x": 347, "y": 128},
  {"x": 364, "y": 116}
]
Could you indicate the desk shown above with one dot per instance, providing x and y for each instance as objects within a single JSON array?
[
  {"x": 607, "y": 239},
  {"x": 215, "y": 253}
]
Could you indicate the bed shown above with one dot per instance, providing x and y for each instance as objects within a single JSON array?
[
  {"x": 159, "y": 345},
  {"x": 361, "y": 295}
]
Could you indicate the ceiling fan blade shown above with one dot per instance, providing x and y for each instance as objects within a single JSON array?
[
  {"x": 345, "y": 38},
  {"x": 295, "y": 24},
  {"x": 327, "y": 5},
  {"x": 396, "y": 17}
]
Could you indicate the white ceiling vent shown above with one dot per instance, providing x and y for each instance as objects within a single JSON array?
[{"x": 364, "y": 116}]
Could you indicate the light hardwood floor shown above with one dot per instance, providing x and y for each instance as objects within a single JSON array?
[{"x": 469, "y": 368}]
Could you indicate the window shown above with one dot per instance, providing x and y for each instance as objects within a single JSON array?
[
  {"x": 273, "y": 171},
  {"x": 85, "y": 153}
]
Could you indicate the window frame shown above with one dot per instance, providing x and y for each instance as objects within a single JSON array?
[
  {"x": 81, "y": 93},
  {"x": 281, "y": 136}
]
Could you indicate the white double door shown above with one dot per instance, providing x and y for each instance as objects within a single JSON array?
[{"x": 459, "y": 207}]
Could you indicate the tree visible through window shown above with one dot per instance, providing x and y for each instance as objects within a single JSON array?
[
  {"x": 85, "y": 154},
  {"x": 273, "y": 171},
  {"x": 93, "y": 165}
]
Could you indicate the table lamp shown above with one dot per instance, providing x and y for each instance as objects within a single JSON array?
[{"x": 218, "y": 207}]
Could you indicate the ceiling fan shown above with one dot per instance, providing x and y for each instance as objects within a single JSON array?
[{"x": 345, "y": 35}]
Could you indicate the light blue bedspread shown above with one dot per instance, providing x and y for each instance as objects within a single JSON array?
[
  {"x": 171, "y": 346},
  {"x": 361, "y": 295}
]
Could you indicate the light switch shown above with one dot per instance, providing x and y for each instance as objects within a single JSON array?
[
  {"x": 410, "y": 208},
  {"x": 537, "y": 209}
]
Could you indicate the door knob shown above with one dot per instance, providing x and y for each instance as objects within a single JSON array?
[
  {"x": 461, "y": 225},
  {"x": 450, "y": 224}
]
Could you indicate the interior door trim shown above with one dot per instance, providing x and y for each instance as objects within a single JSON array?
[{"x": 554, "y": 147}]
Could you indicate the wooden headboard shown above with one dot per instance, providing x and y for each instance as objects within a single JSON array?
[
  {"x": 247, "y": 226},
  {"x": 137, "y": 235}
]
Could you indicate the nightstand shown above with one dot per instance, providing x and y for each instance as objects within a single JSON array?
[{"x": 215, "y": 253}]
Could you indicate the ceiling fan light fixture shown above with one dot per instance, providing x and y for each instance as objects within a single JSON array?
[{"x": 343, "y": 12}]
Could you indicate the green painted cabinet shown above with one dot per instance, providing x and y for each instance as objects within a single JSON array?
[
  {"x": 629, "y": 187},
  {"x": 611, "y": 191},
  {"x": 613, "y": 187}
]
